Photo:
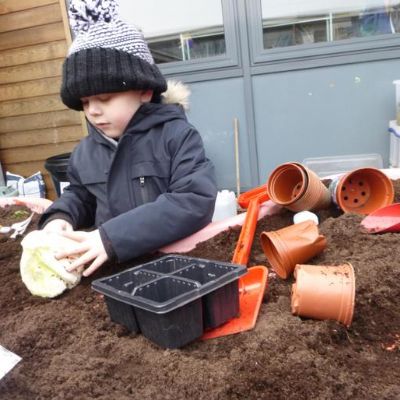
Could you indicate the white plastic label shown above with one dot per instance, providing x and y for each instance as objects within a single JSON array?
[
  {"x": 8, "y": 361},
  {"x": 63, "y": 185},
  {"x": 225, "y": 205}
]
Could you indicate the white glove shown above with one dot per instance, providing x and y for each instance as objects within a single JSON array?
[{"x": 41, "y": 272}]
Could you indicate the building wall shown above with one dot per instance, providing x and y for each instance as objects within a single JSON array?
[
  {"x": 319, "y": 112},
  {"x": 213, "y": 108},
  {"x": 292, "y": 103},
  {"x": 34, "y": 124},
  {"x": 329, "y": 111}
]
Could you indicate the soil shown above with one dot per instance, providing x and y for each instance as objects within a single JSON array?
[{"x": 71, "y": 350}]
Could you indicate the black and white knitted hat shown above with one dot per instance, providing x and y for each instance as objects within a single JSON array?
[{"x": 107, "y": 55}]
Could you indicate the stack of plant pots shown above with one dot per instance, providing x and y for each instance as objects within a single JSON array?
[{"x": 321, "y": 292}]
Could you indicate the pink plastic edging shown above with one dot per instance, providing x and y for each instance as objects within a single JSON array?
[{"x": 189, "y": 243}]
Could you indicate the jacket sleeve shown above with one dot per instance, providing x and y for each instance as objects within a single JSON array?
[
  {"x": 186, "y": 207},
  {"x": 76, "y": 202}
]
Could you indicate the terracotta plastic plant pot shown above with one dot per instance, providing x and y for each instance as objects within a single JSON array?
[
  {"x": 362, "y": 191},
  {"x": 324, "y": 292},
  {"x": 294, "y": 244},
  {"x": 297, "y": 188}
]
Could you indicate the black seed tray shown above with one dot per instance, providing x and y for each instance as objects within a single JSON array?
[{"x": 172, "y": 300}]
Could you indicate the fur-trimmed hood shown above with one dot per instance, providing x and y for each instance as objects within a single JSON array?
[{"x": 176, "y": 93}]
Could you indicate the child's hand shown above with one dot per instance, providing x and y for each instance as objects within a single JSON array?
[
  {"x": 89, "y": 248},
  {"x": 58, "y": 226}
]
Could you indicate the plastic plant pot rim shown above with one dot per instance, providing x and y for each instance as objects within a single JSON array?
[
  {"x": 276, "y": 253},
  {"x": 304, "y": 192},
  {"x": 348, "y": 317},
  {"x": 346, "y": 302},
  {"x": 277, "y": 173},
  {"x": 341, "y": 181}
]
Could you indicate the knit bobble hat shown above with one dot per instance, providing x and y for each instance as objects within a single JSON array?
[{"x": 107, "y": 55}]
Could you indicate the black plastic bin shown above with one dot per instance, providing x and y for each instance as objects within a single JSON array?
[
  {"x": 172, "y": 300},
  {"x": 57, "y": 166}
]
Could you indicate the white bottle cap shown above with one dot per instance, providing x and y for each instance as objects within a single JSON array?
[{"x": 305, "y": 216}]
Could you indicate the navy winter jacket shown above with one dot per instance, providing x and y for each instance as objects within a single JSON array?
[{"x": 155, "y": 187}]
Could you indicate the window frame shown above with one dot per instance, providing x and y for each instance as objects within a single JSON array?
[
  {"x": 317, "y": 54},
  {"x": 229, "y": 59}
]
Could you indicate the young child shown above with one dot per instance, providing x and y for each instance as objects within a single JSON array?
[{"x": 141, "y": 176}]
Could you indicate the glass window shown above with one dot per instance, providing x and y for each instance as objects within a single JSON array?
[
  {"x": 296, "y": 22},
  {"x": 178, "y": 30}
]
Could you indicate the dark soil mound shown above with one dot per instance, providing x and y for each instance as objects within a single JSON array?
[{"x": 71, "y": 350}]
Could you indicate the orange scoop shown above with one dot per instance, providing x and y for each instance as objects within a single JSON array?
[
  {"x": 251, "y": 285},
  {"x": 385, "y": 219}
]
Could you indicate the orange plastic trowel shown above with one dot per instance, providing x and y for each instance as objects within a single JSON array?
[
  {"x": 385, "y": 219},
  {"x": 251, "y": 285},
  {"x": 250, "y": 200}
]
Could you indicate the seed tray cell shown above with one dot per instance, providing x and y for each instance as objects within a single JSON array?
[
  {"x": 166, "y": 265},
  {"x": 126, "y": 282},
  {"x": 129, "y": 280},
  {"x": 122, "y": 313},
  {"x": 219, "y": 305}
]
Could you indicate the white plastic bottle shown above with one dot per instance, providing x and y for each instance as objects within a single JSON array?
[{"x": 225, "y": 205}]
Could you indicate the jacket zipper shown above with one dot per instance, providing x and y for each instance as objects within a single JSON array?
[{"x": 143, "y": 190}]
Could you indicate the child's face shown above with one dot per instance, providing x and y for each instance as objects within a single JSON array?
[{"x": 111, "y": 112}]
